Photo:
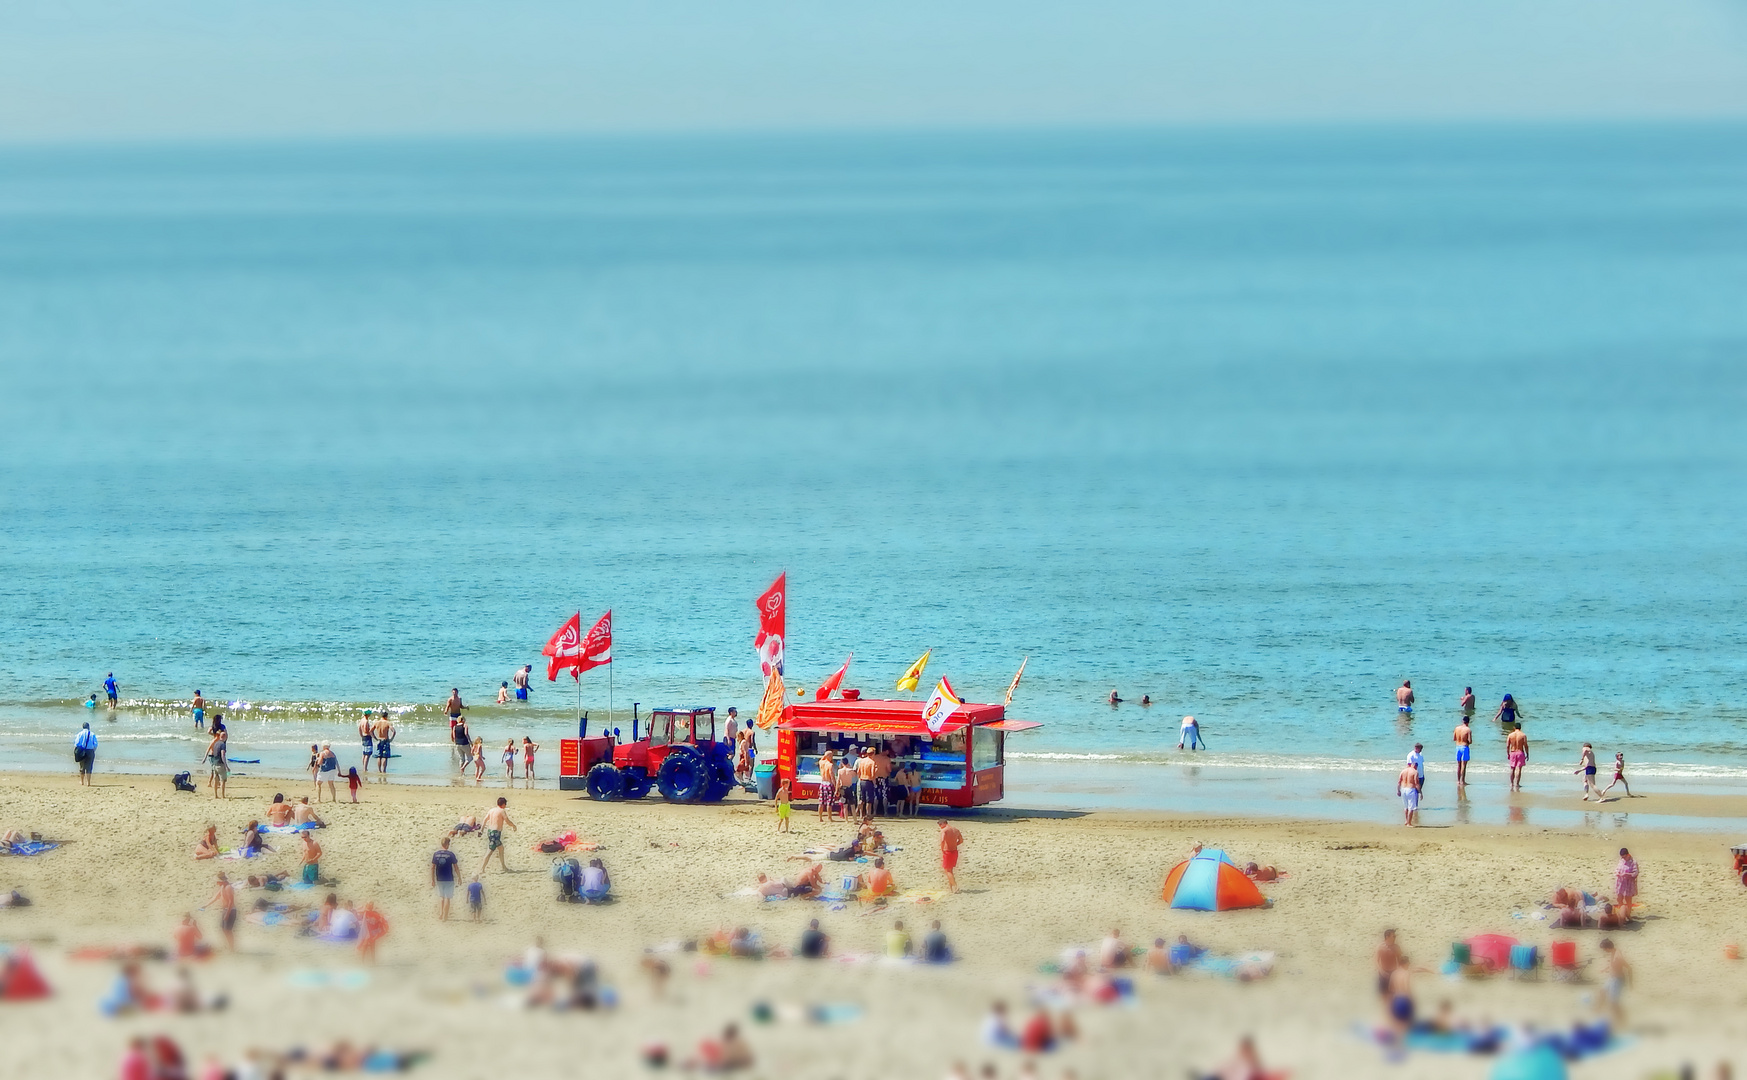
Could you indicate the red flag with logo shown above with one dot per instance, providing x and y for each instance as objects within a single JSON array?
[
  {"x": 569, "y": 649},
  {"x": 772, "y": 612},
  {"x": 830, "y": 685}
]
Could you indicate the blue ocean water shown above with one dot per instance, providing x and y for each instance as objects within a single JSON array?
[{"x": 1258, "y": 423}]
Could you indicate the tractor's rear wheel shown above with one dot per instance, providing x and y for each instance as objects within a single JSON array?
[
  {"x": 605, "y": 783},
  {"x": 683, "y": 777}
]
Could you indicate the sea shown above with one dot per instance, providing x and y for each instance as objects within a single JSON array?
[{"x": 1256, "y": 423}]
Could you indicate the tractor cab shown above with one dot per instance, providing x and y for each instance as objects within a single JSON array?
[{"x": 678, "y": 755}]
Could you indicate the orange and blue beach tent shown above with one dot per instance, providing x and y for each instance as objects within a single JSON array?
[{"x": 1211, "y": 882}]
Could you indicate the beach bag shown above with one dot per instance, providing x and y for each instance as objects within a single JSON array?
[
  {"x": 568, "y": 874},
  {"x": 80, "y": 754},
  {"x": 551, "y": 847}
]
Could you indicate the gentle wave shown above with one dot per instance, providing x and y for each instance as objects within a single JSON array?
[
  {"x": 331, "y": 711},
  {"x": 1672, "y": 769}
]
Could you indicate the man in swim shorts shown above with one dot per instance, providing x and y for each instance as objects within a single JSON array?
[
  {"x": 520, "y": 681},
  {"x": 383, "y": 731},
  {"x": 1407, "y": 786},
  {"x": 1464, "y": 739},
  {"x": 226, "y": 899},
  {"x": 1516, "y": 747},
  {"x": 365, "y": 726},
  {"x": 496, "y": 820},
  {"x": 950, "y": 841},
  {"x": 199, "y": 712},
  {"x": 311, "y": 859},
  {"x": 1404, "y": 697}
]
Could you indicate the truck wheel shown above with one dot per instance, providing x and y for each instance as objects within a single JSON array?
[
  {"x": 721, "y": 782},
  {"x": 683, "y": 777},
  {"x": 605, "y": 783},
  {"x": 637, "y": 783}
]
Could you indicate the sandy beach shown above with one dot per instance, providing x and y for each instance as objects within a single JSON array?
[{"x": 1033, "y": 883}]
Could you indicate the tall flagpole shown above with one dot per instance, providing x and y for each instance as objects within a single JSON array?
[{"x": 609, "y": 694}]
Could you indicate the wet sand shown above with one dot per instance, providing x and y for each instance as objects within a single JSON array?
[{"x": 1034, "y": 883}]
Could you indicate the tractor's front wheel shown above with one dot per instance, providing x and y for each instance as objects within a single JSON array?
[
  {"x": 605, "y": 783},
  {"x": 683, "y": 777}
]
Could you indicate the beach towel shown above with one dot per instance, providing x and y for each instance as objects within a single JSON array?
[
  {"x": 282, "y": 829},
  {"x": 29, "y": 847},
  {"x": 1256, "y": 965}
]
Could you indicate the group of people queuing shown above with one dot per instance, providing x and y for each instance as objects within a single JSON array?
[
  {"x": 867, "y": 783},
  {"x": 1410, "y": 782}
]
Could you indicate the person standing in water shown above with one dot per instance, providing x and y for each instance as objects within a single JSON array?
[
  {"x": 529, "y": 749},
  {"x": 366, "y": 727},
  {"x": 384, "y": 732},
  {"x": 1586, "y": 769},
  {"x": 111, "y": 689},
  {"x": 453, "y": 705},
  {"x": 1509, "y": 712},
  {"x": 520, "y": 679},
  {"x": 1115, "y": 698},
  {"x": 199, "y": 712},
  {"x": 463, "y": 742},
  {"x": 1464, "y": 739},
  {"x": 1467, "y": 705},
  {"x": 85, "y": 753},
  {"x": 1191, "y": 734},
  {"x": 1516, "y": 747},
  {"x": 1404, "y": 697},
  {"x": 503, "y": 694}
]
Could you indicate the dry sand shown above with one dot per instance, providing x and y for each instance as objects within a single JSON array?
[{"x": 1033, "y": 884}]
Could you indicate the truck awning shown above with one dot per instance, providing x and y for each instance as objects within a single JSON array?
[
  {"x": 876, "y": 717},
  {"x": 1015, "y": 725}
]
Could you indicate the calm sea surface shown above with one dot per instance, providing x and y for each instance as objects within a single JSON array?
[{"x": 1259, "y": 424}]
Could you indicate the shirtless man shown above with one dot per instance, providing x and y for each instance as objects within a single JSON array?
[
  {"x": 496, "y": 819},
  {"x": 1404, "y": 697},
  {"x": 1407, "y": 785},
  {"x": 453, "y": 705},
  {"x": 303, "y": 814},
  {"x": 1389, "y": 958},
  {"x": 520, "y": 681},
  {"x": 1619, "y": 973},
  {"x": 1464, "y": 739},
  {"x": 311, "y": 859},
  {"x": 950, "y": 841},
  {"x": 879, "y": 881},
  {"x": 383, "y": 732},
  {"x": 827, "y": 784},
  {"x": 1467, "y": 705},
  {"x": 1586, "y": 769},
  {"x": 366, "y": 728},
  {"x": 866, "y": 791},
  {"x": 226, "y": 899},
  {"x": 199, "y": 712},
  {"x": 1516, "y": 747}
]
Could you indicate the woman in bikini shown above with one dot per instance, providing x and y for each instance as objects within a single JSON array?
[
  {"x": 479, "y": 757},
  {"x": 509, "y": 760},
  {"x": 529, "y": 749}
]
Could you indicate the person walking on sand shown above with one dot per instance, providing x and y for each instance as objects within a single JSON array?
[
  {"x": 1407, "y": 785},
  {"x": 496, "y": 820},
  {"x": 315, "y": 769},
  {"x": 1516, "y": 748},
  {"x": 1619, "y": 776},
  {"x": 1586, "y": 769},
  {"x": 1625, "y": 884},
  {"x": 1619, "y": 973},
  {"x": 1464, "y": 739},
  {"x": 520, "y": 679},
  {"x": 529, "y": 749},
  {"x": 372, "y": 927},
  {"x": 1191, "y": 734},
  {"x": 199, "y": 712},
  {"x": 384, "y": 732},
  {"x": 1404, "y": 697},
  {"x": 226, "y": 899},
  {"x": 443, "y": 869},
  {"x": 312, "y": 853},
  {"x": 950, "y": 842},
  {"x": 85, "y": 754},
  {"x": 327, "y": 772},
  {"x": 112, "y": 690},
  {"x": 782, "y": 807}
]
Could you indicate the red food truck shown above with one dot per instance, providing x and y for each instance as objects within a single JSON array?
[{"x": 960, "y": 765}]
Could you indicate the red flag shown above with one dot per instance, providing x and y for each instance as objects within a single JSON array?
[
  {"x": 830, "y": 685},
  {"x": 569, "y": 649},
  {"x": 772, "y": 609}
]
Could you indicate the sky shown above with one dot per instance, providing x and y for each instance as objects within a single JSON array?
[{"x": 99, "y": 70}]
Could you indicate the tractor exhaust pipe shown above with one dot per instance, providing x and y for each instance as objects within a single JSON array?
[{"x": 634, "y": 705}]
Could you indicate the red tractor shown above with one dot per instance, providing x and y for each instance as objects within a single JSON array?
[{"x": 680, "y": 757}]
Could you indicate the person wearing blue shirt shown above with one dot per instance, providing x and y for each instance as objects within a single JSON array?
[
  {"x": 85, "y": 753},
  {"x": 109, "y": 688},
  {"x": 443, "y": 865}
]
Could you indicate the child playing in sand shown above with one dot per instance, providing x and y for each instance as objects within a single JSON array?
[
  {"x": 352, "y": 782},
  {"x": 476, "y": 899},
  {"x": 782, "y": 807}
]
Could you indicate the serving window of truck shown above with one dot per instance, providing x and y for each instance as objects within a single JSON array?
[{"x": 961, "y": 765}]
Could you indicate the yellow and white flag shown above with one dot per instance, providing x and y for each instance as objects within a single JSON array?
[
  {"x": 770, "y": 710},
  {"x": 941, "y": 704},
  {"x": 914, "y": 674}
]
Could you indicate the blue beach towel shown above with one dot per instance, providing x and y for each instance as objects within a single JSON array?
[{"x": 29, "y": 847}]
